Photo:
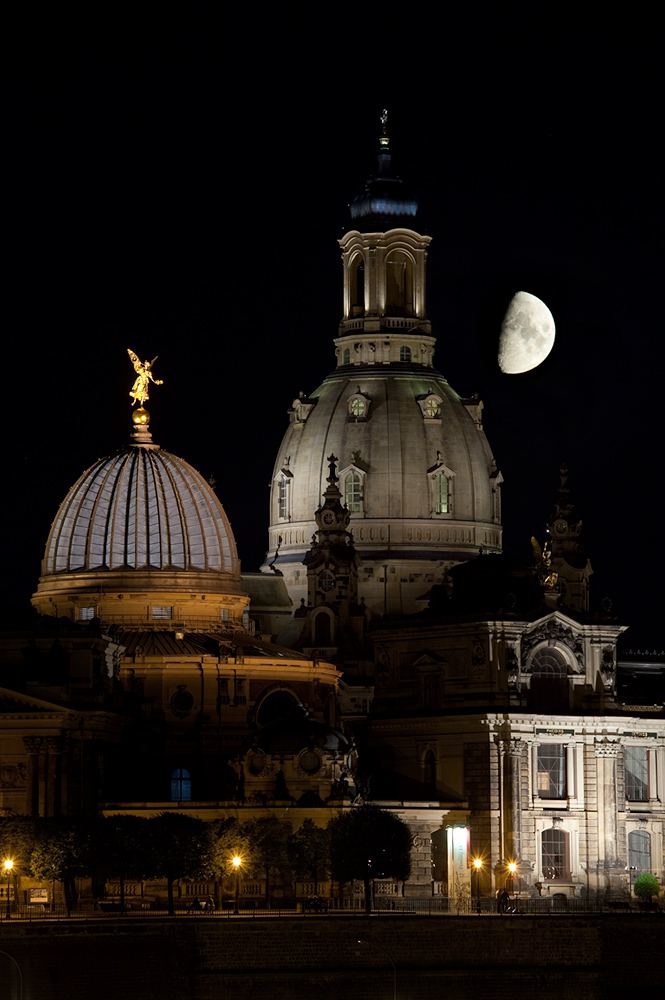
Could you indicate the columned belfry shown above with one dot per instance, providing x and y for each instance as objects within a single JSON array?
[{"x": 415, "y": 470}]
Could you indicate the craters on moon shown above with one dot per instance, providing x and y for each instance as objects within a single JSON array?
[{"x": 527, "y": 334}]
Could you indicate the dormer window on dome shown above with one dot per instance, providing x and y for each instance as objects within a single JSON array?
[
  {"x": 430, "y": 406},
  {"x": 441, "y": 487}
]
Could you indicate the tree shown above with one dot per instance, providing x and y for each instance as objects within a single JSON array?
[
  {"x": 268, "y": 839},
  {"x": 18, "y": 836},
  {"x": 124, "y": 840},
  {"x": 309, "y": 852},
  {"x": 646, "y": 885},
  {"x": 64, "y": 851},
  {"x": 178, "y": 847},
  {"x": 368, "y": 843}
]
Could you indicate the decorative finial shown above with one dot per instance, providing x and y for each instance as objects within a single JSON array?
[
  {"x": 139, "y": 391},
  {"x": 384, "y": 141},
  {"x": 332, "y": 478}
]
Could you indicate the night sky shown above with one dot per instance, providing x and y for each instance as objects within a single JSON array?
[{"x": 179, "y": 189}]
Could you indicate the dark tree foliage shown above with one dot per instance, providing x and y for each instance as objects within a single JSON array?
[
  {"x": 368, "y": 843},
  {"x": 124, "y": 846},
  {"x": 309, "y": 852},
  {"x": 269, "y": 838},
  {"x": 178, "y": 846},
  {"x": 67, "y": 849}
]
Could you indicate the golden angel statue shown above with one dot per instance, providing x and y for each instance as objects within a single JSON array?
[{"x": 139, "y": 391}]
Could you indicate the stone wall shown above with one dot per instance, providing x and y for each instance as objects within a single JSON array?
[{"x": 197, "y": 958}]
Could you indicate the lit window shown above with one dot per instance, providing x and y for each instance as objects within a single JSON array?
[
  {"x": 283, "y": 498},
  {"x": 552, "y": 771},
  {"x": 639, "y": 853},
  {"x": 224, "y": 614},
  {"x": 353, "y": 496},
  {"x": 555, "y": 855},
  {"x": 162, "y": 612},
  {"x": 405, "y": 353},
  {"x": 358, "y": 408},
  {"x": 432, "y": 407},
  {"x": 181, "y": 786},
  {"x": 86, "y": 614},
  {"x": 636, "y": 763},
  {"x": 441, "y": 495},
  {"x": 347, "y": 356}
]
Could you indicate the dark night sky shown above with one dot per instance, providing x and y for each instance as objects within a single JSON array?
[{"x": 179, "y": 189}]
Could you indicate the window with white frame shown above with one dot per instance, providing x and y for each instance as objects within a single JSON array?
[
  {"x": 555, "y": 855},
  {"x": 551, "y": 773},
  {"x": 353, "y": 492},
  {"x": 636, "y": 769},
  {"x": 283, "y": 496},
  {"x": 441, "y": 493}
]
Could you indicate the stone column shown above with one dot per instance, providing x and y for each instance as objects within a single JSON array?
[
  {"x": 33, "y": 746},
  {"x": 606, "y": 755},
  {"x": 514, "y": 749}
]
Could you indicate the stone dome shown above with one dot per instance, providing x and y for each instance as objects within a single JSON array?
[{"x": 144, "y": 521}]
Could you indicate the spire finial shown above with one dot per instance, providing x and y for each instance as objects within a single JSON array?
[{"x": 384, "y": 141}]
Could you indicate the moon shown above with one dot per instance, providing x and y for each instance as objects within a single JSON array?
[{"x": 527, "y": 334}]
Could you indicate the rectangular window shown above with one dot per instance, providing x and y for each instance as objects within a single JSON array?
[
  {"x": 162, "y": 612},
  {"x": 636, "y": 765},
  {"x": 86, "y": 614},
  {"x": 283, "y": 498},
  {"x": 552, "y": 771},
  {"x": 555, "y": 855}
]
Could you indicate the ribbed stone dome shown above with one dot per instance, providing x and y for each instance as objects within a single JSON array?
[{"x": 142, "y": 509}]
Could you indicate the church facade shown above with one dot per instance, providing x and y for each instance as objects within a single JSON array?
[{"x": 495, "y": 729}]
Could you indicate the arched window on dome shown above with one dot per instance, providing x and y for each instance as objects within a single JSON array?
[
  {"x": 346, "y": 357},
  {"x": 441, "y": 500},
  {"x": 358, "y": 405},
  {"x": 357, "y": 286},
  {"x": 399, "y": 284},
  {"x": 405, "y": 353},
  {"x": 181, "y": 785}
]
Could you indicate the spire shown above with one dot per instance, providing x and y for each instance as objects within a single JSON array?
[
  {"x": 385, "y": 203},
  {"x": 568, "y": 557}
]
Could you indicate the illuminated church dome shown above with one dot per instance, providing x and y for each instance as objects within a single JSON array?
[
  {"x": 415, "y": 469},
  {"x": 140, "y": 520}
]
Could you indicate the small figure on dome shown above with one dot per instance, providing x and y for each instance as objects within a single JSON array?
[{"x": 139, "y": 391}]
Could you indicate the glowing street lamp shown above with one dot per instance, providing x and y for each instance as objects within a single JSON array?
[
  {"x": 9, "y": 864},
  {"x": 477, "y": 864},
  {"x": 237, "y": 861}
]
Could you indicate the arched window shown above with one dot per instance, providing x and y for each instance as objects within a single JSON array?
[
  {"x": 346, "y": 357},
  {"x": 322, "y": 629},
  {"x": 283, "y": 497},
  {"x": 441, "y": 497},
  {"x": 353, "y": 492},
  {"x": 549, "y": 681},
  {"x": 432, "y": 408},
  {"x": 555, "y": 855},
  {"x": 181, "y": 786},
  {"x": 399, "y": 284},
  {"x": 276, "y": 705},
  {"x": 639, "y": 852},
  {"x": 405, "y": 353},
  {"x": 357, "y": 286}
]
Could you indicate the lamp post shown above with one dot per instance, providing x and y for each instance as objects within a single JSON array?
[
  {"x": 477, "y": 864},
  {"x": 9, "y": 864},
  {"x": 237, "y": 861},
  {"x": 387, "y": 953}
]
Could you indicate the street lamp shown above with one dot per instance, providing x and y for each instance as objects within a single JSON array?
[
  {"x": 372, "y": 945},
  {"x": 237, "y": 861},
  {"x": 477, "y": 864},
  {"x": 9, "y": 864}
]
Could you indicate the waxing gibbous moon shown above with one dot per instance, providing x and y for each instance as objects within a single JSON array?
[{"x": 527, "y": 334}]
